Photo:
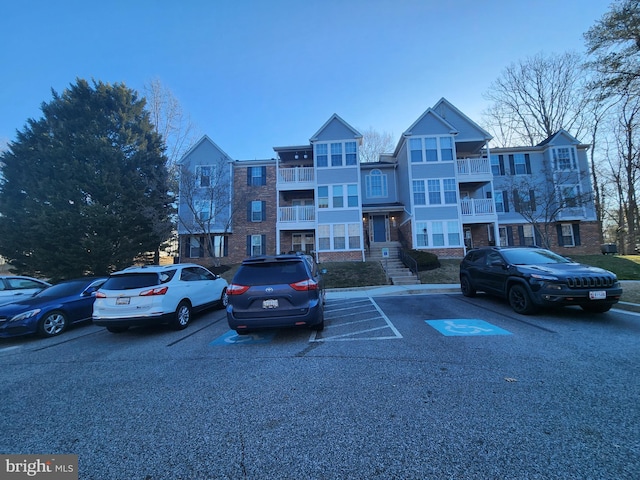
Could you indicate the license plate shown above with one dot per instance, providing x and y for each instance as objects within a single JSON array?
[
  {"x": 270, "y": 303},
  {"x": 122, "y": 301},
  {"x": 600, "y": 295}
]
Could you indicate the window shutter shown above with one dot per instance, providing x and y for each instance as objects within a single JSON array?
[
  {"x": 505, "y": 200},
  {"x": 576, "y": 233},
  {"x": 248, "y": 245},
  {"x": 263, "y": 241},
  {"x": 501, "y": 161},
  {"x": 521, "y": 234},
  {"x": 532, "y": 199},
  {"x": 263, "y": 208},
  {"x": 528, "y": 163},
  {"x": 263, "y": 176},
  {"x": 559, "y": 232},
  {"x": 512, "y": 165},
  {"x": 537, "y": 237},
  {"x": 201, "y": 249},
  {"x": 249, "y": 212},
  {"x": 187, "y": 247},
  {"x": 249, "y": 176},
  {"x": 225, "y": 247},
  {"x": 509, "y": 236},
  {"x": 516, "y": 200}
]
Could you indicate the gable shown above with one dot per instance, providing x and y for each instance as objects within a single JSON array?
[
  {"x": 205, "y": 152},
  {"x": 467, "y": 128},
  {"x": 335, "y": 129},
  {"x": 430, "y": 123},
  {"x": 561, "y": 137}
]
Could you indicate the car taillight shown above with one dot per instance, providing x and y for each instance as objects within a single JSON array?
[
  {"x": 235, "y": 289},
  {"x": 100, "y": 295},
  {"x": 154, "y": 291},
  {"x": 305, "y": 285}
]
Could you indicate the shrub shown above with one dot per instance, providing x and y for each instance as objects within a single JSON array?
[{"x": 426, "y": 260}]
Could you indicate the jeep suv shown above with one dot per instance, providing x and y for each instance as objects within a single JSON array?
[
  {"x": 153, "y": 295},
  {"x": 276, "y": 291},
  {"x": 530, "y": 278}
]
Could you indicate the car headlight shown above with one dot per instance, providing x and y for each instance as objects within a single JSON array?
[
  {"x": 25, "y": 315},
  {"x": 537, "y": 276}
]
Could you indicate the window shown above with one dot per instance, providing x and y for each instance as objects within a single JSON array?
[
  {"x": 431, "y": 149},
  {"x": 256, "y": 245},
  {"x": 450, "y": 190},
  {"x": 419, "y": 197},
  {"x": 504, "y": 239},
  {"x": 351, "y": 153},
  {"x": 257, "y": 212},
  {"x": 195, "y": 248},
  {"x": 499, "y": 201},
  {"x": 566, "y": 240},
  {"x": 323, "y": 197},
  {"x": 520, "y": 165},
  {"x": 336, "y": 154},
  {"x": 569, "y": 195},
  {"x": 376, "y": 184},
  {"x": 528, "y": 235},
  {"x": 453, "y": 232},
  {"x": 204, "y": 176},
  {"x": 352, "y": 195},
  {"x": 256, "y": 176},
  {"x": 415, "y": 145},
  {"x": 422, "y": 237},
  {"x": 321, "y": 155},
  {"x": 437, "y": 234},
  {"x": 324, "y": 237},
  {"x": 434, "y": 192},
  {"x": 204, "y": 210},
  {"x": 564, "y": 158},
  {"x": 338, "y": 200},
  {"x": 338, "y": 237},
  {"x": 497, "y": 165},
  {"x": 446, "y": 148},
  {"x": 354, "y": 235}
]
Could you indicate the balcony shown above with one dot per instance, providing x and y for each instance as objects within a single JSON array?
[
  {"x": 474, "y": 169},
  {"x": 478, "y": 210},
  {"x": 297, "y": 217},
  {"x": 295, "y": 178}
]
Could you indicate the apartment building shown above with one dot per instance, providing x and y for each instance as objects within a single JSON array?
[{"x": 442, "y": 190}]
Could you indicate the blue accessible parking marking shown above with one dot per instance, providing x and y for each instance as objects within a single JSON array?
[
  {"x": 232, "y": 338},
  {"x": 466, "y": 327}
]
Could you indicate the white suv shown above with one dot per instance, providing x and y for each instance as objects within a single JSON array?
[{"x": 153, "y": 295}]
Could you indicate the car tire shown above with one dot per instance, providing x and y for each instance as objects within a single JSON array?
[
  {"x": 243, "y": 332},
  {"x": 182, "y": 316},
  {"x": 467, "y": 287},
  {"x": 52, "y": 324},
  {"x": 596, "y": 308},
  {"x": 117, "y": 329},
  {"x": 520, "y": 301},
  {"x": 224, "y": 299}
]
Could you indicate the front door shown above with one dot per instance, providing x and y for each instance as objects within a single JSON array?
[{"x": 379, "y": 228}]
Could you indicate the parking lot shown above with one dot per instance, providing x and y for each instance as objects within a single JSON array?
[{"x": 411, "y": 387}]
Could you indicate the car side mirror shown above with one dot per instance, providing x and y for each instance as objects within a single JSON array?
[{"x": 497, "y": 263}]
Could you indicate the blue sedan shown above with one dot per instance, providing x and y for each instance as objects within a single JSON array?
[{"x": 51, "y": 311}]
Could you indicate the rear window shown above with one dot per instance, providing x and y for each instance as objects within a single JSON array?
[
  {"x": 129, "y": 281},
  {"x": 270, "y": 273}
]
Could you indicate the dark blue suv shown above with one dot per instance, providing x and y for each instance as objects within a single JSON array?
[
  {"x": 276, "y": 291},
  {"x": 531, "y": 277}
]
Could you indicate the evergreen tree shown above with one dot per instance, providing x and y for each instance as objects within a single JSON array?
[{"x": 84, "y": 189}]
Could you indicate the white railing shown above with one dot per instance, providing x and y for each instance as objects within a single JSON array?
[
  {"x": 474, "y": 166},
  {"x": 295, "y": 175},
  {"x": 306, "y": 213},
  {"x": 477, "y": 206}
]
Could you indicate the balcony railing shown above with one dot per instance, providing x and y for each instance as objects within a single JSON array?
[
  {"x": 295, "y": 175},
  {"x": 474, "y": 166},
  {"x": 297, "y": 214},
  {"x": 477, "y": 206}
]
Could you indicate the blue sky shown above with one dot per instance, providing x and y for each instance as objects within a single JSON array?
[{"x": 257, "y": 74}]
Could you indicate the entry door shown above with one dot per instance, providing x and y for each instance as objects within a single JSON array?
[{"x": 379, "y": 228}]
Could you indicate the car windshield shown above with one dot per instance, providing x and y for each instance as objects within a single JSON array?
[
  {"x": 270, "y": 273},
  {"x": 129, "y": 281},
  {"x": 532, "y": 257},
  {"x": 63, "y": 289}
]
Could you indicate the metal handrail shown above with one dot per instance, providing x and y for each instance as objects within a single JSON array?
[{"x": 408, "y": 261}]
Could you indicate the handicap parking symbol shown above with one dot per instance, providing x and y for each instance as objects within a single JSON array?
[
  {"x": 232, "y": 338},
  {"x": 465, "y": 327}
]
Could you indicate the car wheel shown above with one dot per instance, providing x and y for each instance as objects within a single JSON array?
[
  {"x": 596, "y": 308},
  {"x": 117, "y": 329},
  {"x": 520, "y": 300},
  {"x": 54, "y": 323},
  {"x": 182, "y": 316},
  {"x": 466, "y": 287},
  {"x": 224, "y": 299}
]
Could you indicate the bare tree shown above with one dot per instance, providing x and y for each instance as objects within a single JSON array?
[
  {"x": 374, "y": 144},
  {"x": 535, "y": 98}
]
